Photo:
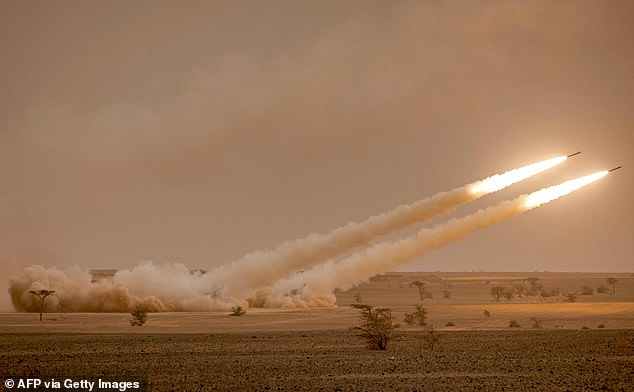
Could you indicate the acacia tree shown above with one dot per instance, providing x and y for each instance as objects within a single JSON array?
[
  {"x": 42, "y": 294},
  {"x": 497, "y": 292},
  {"x": 422, "y": 293},
  {"x": 377, "y": 326},
  {"x": 508, "y": 294},
  {"x": 613, "y": 282},
  {"x": 535, "y": 286},
  {"x": 519, "y": 289},
  {"x": 446, "y": 286}
]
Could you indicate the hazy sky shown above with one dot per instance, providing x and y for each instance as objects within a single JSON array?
[{"x": 199, "y": 131}]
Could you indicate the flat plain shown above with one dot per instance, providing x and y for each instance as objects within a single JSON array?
[{"x": 581, "y": 345}]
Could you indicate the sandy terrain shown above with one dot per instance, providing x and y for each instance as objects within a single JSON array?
[
  {"x": 575, "y": 360},
  {"x": 315, "y": 349}
]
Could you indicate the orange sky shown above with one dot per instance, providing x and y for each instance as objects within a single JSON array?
[{"x": 199, "y": 131}]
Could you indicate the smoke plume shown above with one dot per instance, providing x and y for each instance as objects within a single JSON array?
[
  {"x": 259, "y": 269},
  {"x": 174, "y": 287},
  {"x": 315, "y": 287}
]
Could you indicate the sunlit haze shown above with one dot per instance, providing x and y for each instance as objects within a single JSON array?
[{"x": 202, "y": 135}]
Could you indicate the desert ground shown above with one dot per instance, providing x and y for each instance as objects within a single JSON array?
[{"x": 582, "y": 345}]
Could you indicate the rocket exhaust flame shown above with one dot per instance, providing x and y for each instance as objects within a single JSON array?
[
  {"x": 546, "y": 195},
  {"x": 501, "y": 181}
]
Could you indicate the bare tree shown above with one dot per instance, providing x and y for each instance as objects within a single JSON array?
[
  {"x": 612, "y": 282},
  {"x": 519, "y": 289},
  {"x": 357, "y": 297},
  {"x": 422, "y": 293},
  {"x": 535, "y": 286},
  {"x": 377, "y": 326},
  {"x": 431, "y": 338},
  {"x": 508, "y": 294},
  {"x": 446, "y": 286},
  {"x": 42, "y": 294},
  {"x": 497, "y": 292}
]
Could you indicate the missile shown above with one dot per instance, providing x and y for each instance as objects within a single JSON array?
[
  {"x": 573, "y": 154},
  {"x": 616, "y": 168}
]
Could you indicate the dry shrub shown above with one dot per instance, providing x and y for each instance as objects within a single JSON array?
[
  {"x": 514, "y": 324},
  {"x": 585, "y": 290},
  {"x": 139, "y": 316},
  {"x": 417, "y": 317},
  {"x": 237, "y": 311},
  {"x": 431, "y": 338},
  {"x": 377, "y": 326}
]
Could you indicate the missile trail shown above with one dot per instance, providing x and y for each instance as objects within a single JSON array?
[
  {"x": 261, "y": 268},
  {"x": 315, "y": 287},
  {"x": 174, "y": 287}
]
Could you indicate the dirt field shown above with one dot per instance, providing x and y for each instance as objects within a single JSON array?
[
  {"x": 582, "y": 345},
  {"x": 572, "y": 360}
]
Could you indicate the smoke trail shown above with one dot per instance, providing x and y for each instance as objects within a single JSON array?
[
  {"x": 259, "y": 269},
  {"x": 315, "y": 287},
  {"x": 173, "y": 287},
  {"x": 170, "y": 287}
]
